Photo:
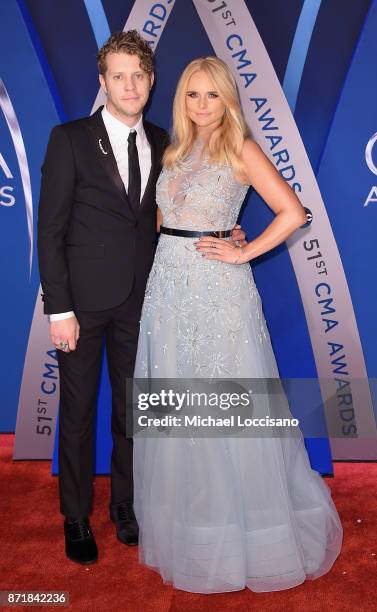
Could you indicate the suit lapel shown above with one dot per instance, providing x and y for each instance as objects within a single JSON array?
[
  {"x": 105, "y": 153},
  {"x": 155, "y": 165},
  {"x": 106, "y": 157}
]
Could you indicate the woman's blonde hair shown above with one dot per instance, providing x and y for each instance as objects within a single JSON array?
[{"x": 226, "y": 141}]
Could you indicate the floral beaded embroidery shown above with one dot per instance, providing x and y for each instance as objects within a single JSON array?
[{"x": 199, "y": 316}]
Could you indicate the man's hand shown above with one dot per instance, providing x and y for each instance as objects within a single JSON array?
[
  {"x": 65, "y": 334},
  {"x": 239, "y": 236}
]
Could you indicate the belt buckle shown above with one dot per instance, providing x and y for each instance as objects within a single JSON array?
[{"x": 215, "y": 234}]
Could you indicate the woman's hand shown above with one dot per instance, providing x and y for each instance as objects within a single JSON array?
[{"x": 223, "y": 250}]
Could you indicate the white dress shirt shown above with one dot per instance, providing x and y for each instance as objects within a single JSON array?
[{"x": 118, "y": 133}]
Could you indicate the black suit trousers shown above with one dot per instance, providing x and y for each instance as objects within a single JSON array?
[{"x": 117, "y": 328}]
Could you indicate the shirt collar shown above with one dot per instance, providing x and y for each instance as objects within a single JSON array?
[{"x": 119, "y": 129}]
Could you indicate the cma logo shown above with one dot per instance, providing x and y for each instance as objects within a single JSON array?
[
  {"x": 372, "y": 195},
  {"x": 6, "y": 197}
]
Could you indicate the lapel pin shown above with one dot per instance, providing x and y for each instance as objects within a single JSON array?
[{"x": 101, "y": 147}]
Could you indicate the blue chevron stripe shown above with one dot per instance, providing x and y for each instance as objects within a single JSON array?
[
  {"x": 98, "y": 21},
  {"x": 299, "y": 50}
]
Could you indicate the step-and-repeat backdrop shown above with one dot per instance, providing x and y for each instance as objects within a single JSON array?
[{"x": 305, "y": 73}]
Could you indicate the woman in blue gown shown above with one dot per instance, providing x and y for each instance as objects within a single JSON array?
[{"x": 221, "y": 513}]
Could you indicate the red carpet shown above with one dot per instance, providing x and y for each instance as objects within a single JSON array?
[{"x": 32, "y": 552}]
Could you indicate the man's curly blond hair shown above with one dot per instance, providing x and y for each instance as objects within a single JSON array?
[{"x": 126, "y": 42}]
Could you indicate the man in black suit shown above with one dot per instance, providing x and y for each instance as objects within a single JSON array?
[{"x": 96, "y": 242}]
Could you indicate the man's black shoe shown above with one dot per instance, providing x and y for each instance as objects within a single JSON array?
[
  {"x": 125, "y": 522},
  {"x": 80, "y": 545}
]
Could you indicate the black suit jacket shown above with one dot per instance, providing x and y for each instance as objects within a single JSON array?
[{"x": 91, "y": 243}]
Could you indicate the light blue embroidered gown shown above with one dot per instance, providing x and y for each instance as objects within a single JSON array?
[{"x": 219, "y": 514}]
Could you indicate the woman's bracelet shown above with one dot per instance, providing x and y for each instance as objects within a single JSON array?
[{"x": 240, "y": 255}]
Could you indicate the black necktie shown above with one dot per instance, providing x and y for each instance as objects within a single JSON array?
[{"x": 134, "y": 178}]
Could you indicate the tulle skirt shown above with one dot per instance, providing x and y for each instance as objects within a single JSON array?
[{"x": 223, "y": 513}]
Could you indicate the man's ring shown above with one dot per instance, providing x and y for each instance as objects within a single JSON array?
[{"x": 63, "y": 346}]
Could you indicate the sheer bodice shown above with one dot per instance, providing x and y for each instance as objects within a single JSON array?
[{"x": 197, "y": 195}]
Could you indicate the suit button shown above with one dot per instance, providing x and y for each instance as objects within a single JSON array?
[{"x": 136, "y": 224}]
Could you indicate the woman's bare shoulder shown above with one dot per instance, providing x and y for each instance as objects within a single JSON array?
[
  {"x": 250, "y": 153},
  {"x": 250, "y": 148}
]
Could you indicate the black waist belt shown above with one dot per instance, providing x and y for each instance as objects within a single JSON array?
[{"x": 193, "y": 234}]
